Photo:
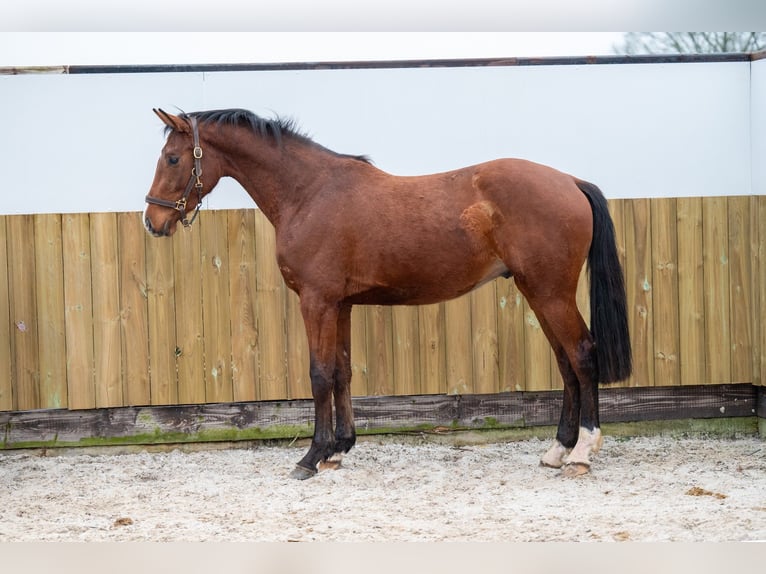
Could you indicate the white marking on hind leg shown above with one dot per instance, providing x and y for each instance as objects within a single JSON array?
[
  {"x": 332, "y": 463},
  {"x": 555, "y": 456},
  {"x": 588, "y": 442}
]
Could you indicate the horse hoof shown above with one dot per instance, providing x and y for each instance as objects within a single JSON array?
[
  {"x": 301, "y": 473},
  {"x": 575, "y": 469}
]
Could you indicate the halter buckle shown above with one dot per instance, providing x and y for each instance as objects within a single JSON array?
[
  {"x": 197, "y": 152},
  {"x": 181, "y": 205}
]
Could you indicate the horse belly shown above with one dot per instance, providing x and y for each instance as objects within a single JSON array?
[{"x": 432, "y": 284}]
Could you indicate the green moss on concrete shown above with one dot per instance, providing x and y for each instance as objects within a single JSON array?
[
  {"x": 723, "y": 427},
  {"x": 160, "y": 437},
  {"x": 490, "y": 431}
]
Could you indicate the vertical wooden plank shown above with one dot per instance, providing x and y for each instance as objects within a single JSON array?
[
  {"x": 583, "y": 293},
  {"x": 6, "y": 379},
  {"x": 49, "y": 274},
  {"x": 433, "y": 359},
  {"x": 459, "y": 348},
  {"x": 106, "y": 310},
  {"x": 617, "y": 213},
  {"x": 715, "y": 255},
  {"x": 665, "y": 291},
  {"x": 556, "y": 383},
  {"x": 244, "y": 332},
  {"x": 510, "y": 337},
  {"x": 216, "y": 306},
  {"x": 270, "y": 310},
  {"x": 484, "y": 339},
  {"x": 691, "y": 306},
  {"x": 133, "y": 309},
  {"x": 187, "y": 343},
  {"x": 380, "y": 335},
  {"x": 162, "y": 321},
  {"x": 299, "y": 382},
  {"x": 360, "y": 366},
  {"x": 638, "y": 279},
  {"x": 537, "y": 353},
  {"x": 22, "y": 285},
  {"x": 741, "y": 295},
  {"x": 405, "y": 349},
  {"x": 759, "y": 250},
  {"x": 78, "y": 310}
]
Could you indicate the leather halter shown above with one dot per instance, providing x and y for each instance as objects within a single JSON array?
[{"x": 195, "y": 182}]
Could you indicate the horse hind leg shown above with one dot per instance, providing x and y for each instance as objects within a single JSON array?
[
  {"x": 581, "y": 355},
  {"x": 589, "y": 439},
  {"x": 578, "y": 435},
  {"x": 568, "y": 426}
]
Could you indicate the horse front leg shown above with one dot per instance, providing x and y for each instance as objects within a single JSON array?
[
  {"x": 345, "y": 432},
  {"x": 321, "y": 322}
]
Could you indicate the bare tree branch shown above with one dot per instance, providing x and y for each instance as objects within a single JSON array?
[{"x": 691, "y": 42}]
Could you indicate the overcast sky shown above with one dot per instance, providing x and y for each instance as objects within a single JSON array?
[
  {"x": 52, "y": 32},
  {"x": 72, "y": 48}
]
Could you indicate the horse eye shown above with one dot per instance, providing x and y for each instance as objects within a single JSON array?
[{"x": 172, "y": 160}]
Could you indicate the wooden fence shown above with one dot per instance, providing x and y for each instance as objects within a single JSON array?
[{"x": 95, "y": 313}]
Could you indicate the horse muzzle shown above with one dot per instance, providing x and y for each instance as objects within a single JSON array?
[{"x": 166, "y": 230}]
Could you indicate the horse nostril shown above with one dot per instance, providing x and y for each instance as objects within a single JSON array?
[{"x": 150, "y": 228}]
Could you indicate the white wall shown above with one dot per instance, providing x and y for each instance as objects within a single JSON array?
[
  {"x": 758, "y": 126},
  {"x": 73, "y": 143}
]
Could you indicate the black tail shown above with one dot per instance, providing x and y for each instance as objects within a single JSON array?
[{"x": 608, "y": 308}]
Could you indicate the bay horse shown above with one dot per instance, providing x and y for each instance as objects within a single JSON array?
[{"x": 348, "y": 233}]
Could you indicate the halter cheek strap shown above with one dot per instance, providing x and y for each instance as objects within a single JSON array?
[{"x": 195, "y": 182}]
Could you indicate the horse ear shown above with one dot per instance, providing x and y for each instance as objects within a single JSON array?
[{"x": 172, "y": 121}]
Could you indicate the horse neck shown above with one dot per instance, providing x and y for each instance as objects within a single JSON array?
[{"x": 276, "y": 176}]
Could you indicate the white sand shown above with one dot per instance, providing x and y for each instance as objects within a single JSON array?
[{"x": 641, "y": 489}]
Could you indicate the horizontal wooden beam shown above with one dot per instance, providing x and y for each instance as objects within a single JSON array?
[
  {"x": 384, "y": 64},
  {"x": 291, "y": 419}
]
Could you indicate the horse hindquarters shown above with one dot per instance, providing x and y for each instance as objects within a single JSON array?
[{"x": 602, "y": 354}]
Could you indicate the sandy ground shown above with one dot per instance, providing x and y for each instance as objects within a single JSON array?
[{"x": 640, "y": 489}]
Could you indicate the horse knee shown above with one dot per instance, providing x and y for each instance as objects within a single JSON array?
[{"x": 322, "y": 378}]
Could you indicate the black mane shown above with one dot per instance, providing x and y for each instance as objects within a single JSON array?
[{"x": 276, "y": 129}]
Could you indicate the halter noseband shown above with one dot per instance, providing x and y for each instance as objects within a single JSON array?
[{"x": 195, "y": 182}]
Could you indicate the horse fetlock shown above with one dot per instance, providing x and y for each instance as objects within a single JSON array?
[
  {"x": 589, "y": 442},
  {"x": 332, "y": 463},
  {"x": 344, "y": 444},
  {"x": 555, "y": 456}
]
